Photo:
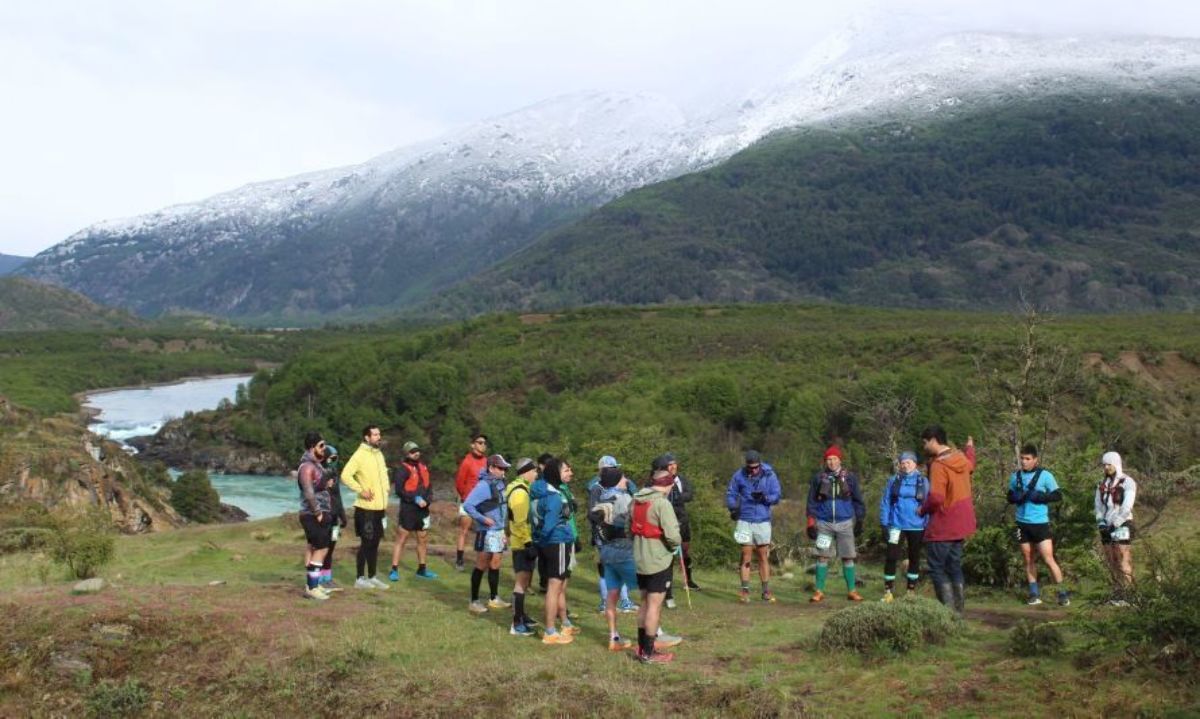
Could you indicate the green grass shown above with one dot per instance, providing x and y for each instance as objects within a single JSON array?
[{"x": 253, "y": 647}]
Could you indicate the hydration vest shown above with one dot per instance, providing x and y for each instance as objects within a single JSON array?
[
  {"x": 1112, "y": 494},
  {"x": 918, "y": 489},
  {"x": 641, "y": 526}
]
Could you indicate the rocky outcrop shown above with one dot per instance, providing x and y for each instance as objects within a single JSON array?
[{"x": 183, "y": 444}]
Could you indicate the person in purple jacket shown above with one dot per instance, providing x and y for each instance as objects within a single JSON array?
[{"x": 753, "y": 490}]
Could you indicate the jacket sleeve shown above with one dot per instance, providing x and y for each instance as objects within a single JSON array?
[
  {"x": 969, "y": 453},
  {"x": 1125, "y": 513},
  {"x": 350, "y": 474},
  {"x": 470, "y": 504},
  {"x": 939, "y": 481},
  {"x": 670, "y": 525},
  {"x": 462, "y": 479},
  {"x": 1098, "y": 506},
  {"x": 687, "y": 490},
  {"x": 856, "y": 498},
  {"x": 810, "y": 504},
  {"x": 732, "y": 495},
  {"x": 399, "y": 476},
  {"x": 552, "y": 516},
  {"x": 885, "y": 505},
  {"x": 774, "y": 491},
  {"x": 335, "y": 500}
]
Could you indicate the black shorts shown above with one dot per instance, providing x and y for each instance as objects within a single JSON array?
[
  {"x": 1033, "y": 533},
  {"x": 657, "y": 583},
  {"x": 1106, "y": 537},
  {"x": 319, "y": 535},
  {"x": 524, "y": 560},
  {"x": 368, "y": 523},
  {"x": 411, "y": 517},
  {"x": 554, "y": 560}
]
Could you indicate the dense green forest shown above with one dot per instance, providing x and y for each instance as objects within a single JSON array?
[
  {"x": 706, "y": 383},
  {"x": 1075, "y": 204}
]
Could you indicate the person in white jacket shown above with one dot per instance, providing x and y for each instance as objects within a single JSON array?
[{"x": 1115, "y": 496}]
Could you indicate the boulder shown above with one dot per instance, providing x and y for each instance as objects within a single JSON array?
[{"x": 89, "y": 586}]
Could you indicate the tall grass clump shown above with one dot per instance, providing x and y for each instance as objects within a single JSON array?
[{"x": 899, "y": 627}]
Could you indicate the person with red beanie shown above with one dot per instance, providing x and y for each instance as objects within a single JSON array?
[
  {"x": 951, "y": 511},
  {"x": 836, "y": 509}
]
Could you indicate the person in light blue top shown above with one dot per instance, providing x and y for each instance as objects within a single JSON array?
[
  {"x": 904, "y": 494},
  {"x": 487, "y": 506},
  {"x": 1032, "y": 489}
]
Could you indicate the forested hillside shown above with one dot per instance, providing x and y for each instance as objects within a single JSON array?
[
  {"x": 1075, "y": 204},
  {"x": 29, "y": 305}
]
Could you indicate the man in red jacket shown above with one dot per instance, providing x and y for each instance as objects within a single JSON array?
[
  {"x": 464, "y": 482},
  {"x": 951, "y": 511}
]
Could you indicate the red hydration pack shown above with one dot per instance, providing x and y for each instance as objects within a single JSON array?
[{"x": 641, "y": 526}]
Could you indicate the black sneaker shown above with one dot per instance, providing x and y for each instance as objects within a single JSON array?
[{"x": 693, "y": 586}]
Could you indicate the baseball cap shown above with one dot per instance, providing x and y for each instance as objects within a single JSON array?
[
  {"x": 498, "y": 460},
  {"x": 608, "y": 461},
  {"x": 410, "y": 446}
]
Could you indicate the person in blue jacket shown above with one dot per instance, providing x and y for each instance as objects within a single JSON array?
[
  {"x": 487, "y": 507},
  {"x": 902, "y": 497},
  {"x": 835, "y": 503},
  {"x": 753, "y": 490},
  {"x": 1033, "y": 489},
  {"x": 550, "y": 517}
]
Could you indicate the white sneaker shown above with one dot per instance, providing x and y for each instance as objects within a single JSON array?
[
  {"x": 378, "y": 584},
  {"x": 671, "y": 603},
  {"x": 363, "y": 583},
  {"x": 498, "y": 603},
  {"x": 477, "y": 607},
  {"x": 316, "y": 593}
]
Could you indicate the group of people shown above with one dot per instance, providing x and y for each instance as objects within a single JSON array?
[{"x": 639, "y": 534}]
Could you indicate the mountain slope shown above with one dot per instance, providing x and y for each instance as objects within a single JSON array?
[
  {"x": 8, "y": 263},
  {"x": 1075, "y": 203},
  {"x": 29, "y": 305}
]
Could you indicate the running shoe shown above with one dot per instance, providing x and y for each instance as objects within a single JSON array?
[
  {"x": 1033, "y": 601},
  {"x": 476, "y": 607},
  {"x": 692, "y": 585},
  {"x": 530, "y": 621},
  {"x": 1064, "y": 599},
  {"x": 425, "y": 574},
  {"x": 656, "y": 658},
  {"x": 498, "y": 603},
  {"x": 817, "y": 597},
  {"x": 602, "y": 607},
  {"x": 666, "y": 641},
  {"x": 458, "y": 566},
  {"x": 378, "y": 584},
  {"x": 363, "y": 583},
  {"x": 887, "y": 597},
  {"x": 557, "y": 638},
  {"x": 768, "y": 597},
  {"x": 744, "y": 597},
  {"x": 626, "y": 606},
  {"x": 671, "y": 603},
  {"x": 570, "y": 630},
  {"x": 315, "y": 593},
  {"x": 330, "y": 587},
  {"x": 394, "y": 575},
  {"x": 520, "y": 630},
  {"x": 617, "y": 644},
  {"x": 854, "y": 596}
]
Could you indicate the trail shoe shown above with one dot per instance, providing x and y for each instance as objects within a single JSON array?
[
  {"x": 330, "y": 587},
  {"x": 959, "y": 595},
  {"x": 666, "y": 641},
  {"x": 817, "y": 597},
  {"x": 656, "y": 658},
  {"x": 520, "y": 630},
  {"x": 692, "y": 585},
  {"x": 910, "y": 593},
  {"x": 570, "y": 630},
  {"x": 602, "y": 607},
  {"x": 557, "y": 638},
  {"x": 854, "y": 596},
  {"x": 315, "y": 593},
  {"x": 617, "y": 644},
  {"x": 1033, "y": 601},
  {"x": 363, "y": 583},
  {"x": 626, "y": 606},
  {"x": 887, "y": 597},
  {"x": 426, "y": 574},
  {"x": 498, "y": 603},
  {"x": 394, "y": 576},
  {"x": 744, "y": 597},
  {"x": 530, "y": 621},
  {"x": 458, "y": 566},
  {"x": 378, "y": 584},
  {"x": 1064, "y": 599},
  {"x": 476, "y": 607},
  {"x": 768, "y": 597},
  {"x": 671, "y": 603}
]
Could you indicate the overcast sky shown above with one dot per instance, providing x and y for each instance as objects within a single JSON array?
[{"x": 118, "y": 107}]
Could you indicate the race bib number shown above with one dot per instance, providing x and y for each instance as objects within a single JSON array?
[
  {"x": 337, "y": 532},
  {"x": 824, "y": 541},
  {"x": 1120, "y": 534},
  {"x": 893, "y": 536}
]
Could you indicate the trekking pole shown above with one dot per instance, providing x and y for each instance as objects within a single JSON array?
[{"x": 683, "y": 569}]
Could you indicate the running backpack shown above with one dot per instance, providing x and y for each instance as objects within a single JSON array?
[{"x": 641, "y": 526}]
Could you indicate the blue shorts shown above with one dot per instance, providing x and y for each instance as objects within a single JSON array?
[{"x": 620, "y": 573}]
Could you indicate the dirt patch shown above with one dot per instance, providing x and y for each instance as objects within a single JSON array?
[
  {"x": 1007, "y": 620},
  {"x": 536, "y": 319}
]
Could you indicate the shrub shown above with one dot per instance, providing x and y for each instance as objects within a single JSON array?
[
  {"x": 83, "y": 541},
  {"x": 991, "y": 558},
  {"x": 899, "y": 626},
  {"x": 1035, "y": 639},
  {"x": 109, "y": 699},
  {"x": 193, "y": 497}
]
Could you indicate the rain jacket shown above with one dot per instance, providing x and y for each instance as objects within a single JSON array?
[
  {"x": 487, "y": 500},
  {"x": 740, "y": 495},
  {"x": 903, "y": 513},
  {"x": 835, "y": 496},
  {"x": 367, "y": 470},
  {"x": 551, "y": 515},
  {"x": 949, "y": 506},
  {"x": 654, "y": 555}
]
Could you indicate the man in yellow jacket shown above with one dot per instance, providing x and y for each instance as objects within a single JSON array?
[
  {"x": 520, "y": 540},
  {"x": 366, "y": 475}
]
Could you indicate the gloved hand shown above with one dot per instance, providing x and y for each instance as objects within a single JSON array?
[
  {"x": 1014, "y": 497},
  {"x": 811, "y": 529},
  {"x": 858, "y": 527},
  {"x": 758, "y": 497},
  {"x": 1038, "y": 497},
  {"x": 733, "y": 514}
]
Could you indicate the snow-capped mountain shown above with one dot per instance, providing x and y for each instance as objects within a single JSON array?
[{"x": 409, "y": 223}]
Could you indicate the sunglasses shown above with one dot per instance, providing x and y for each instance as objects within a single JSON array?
[{"x": 753, "y": 467}]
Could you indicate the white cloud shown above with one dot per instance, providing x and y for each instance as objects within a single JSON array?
[{"x": 124, "y": 106}]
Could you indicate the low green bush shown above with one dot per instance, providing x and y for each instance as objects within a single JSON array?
[
  {"x": 1035, "y": 639},
  {"x": 84, "y": 542},
  {"x": 110, "y": 699},
  {"x": 193, "y": 497},
  {"x": 899, "y": 626}
]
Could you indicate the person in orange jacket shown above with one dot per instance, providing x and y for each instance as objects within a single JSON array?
[{"x": 469, "y": 469}]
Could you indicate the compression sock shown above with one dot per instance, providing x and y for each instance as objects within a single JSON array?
[
  {"x": 822, "y": 572},
  {"x": 395, "y": 567},
  {"x": 889, "y": 582},
  {"x": 313, "y": 575},
  {"x": 420, "y": 569},
  {"x": 518, "y": 607},
  {"x": 458, "y": 557},
  {"x": 372, "y": 557},
  {"x": 476, "y": 579},
  {"x": 848, "y": 573},
  {"x": 328, "y": 563},
  {"x": 1034, "y": 591},
  {"x": 912, "y": 578},
  {"x": 745, "y": 586},
  {"x": 360, "y": 561},
  {"x": 766, "y": 587},
  {"x": 494, "y": 582},
  {"x": 645, "y": 642}
]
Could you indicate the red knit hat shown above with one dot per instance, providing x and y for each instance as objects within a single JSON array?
[{"x": 833, "y": 451}]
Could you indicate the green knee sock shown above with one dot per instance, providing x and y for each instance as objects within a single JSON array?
[
  {"x": 848, "y": 573},
  {"x": 822, "y": 572}
]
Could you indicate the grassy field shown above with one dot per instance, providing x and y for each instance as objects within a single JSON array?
[{"x": 163, "y": 640}]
